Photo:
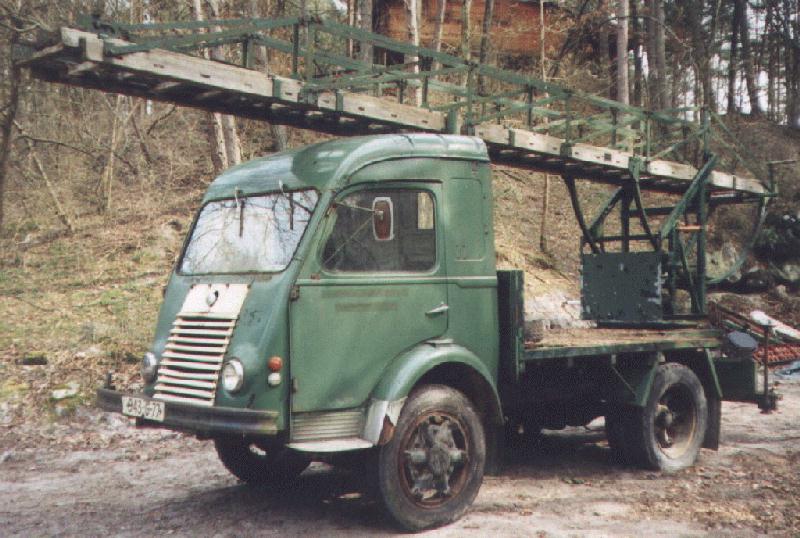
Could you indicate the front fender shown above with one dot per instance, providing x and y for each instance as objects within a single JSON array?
[{"x": 408, "y": 368}]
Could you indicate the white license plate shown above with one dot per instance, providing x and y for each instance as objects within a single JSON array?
[{"x": 139, "y": 407}]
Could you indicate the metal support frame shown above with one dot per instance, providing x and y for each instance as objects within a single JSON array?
[{"x": 583, "y": 136}]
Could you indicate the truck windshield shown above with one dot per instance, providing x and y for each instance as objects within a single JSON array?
[{"x": 249, "y": 234}]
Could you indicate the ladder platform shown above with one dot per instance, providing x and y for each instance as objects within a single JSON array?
[{"x": 80, "y": 58}]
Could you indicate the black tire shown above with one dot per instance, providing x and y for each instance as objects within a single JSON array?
[
  {"x": 421, "y": 482},
  {"x": 257, "y": 462},
  {"x": 667, "y": 434}
]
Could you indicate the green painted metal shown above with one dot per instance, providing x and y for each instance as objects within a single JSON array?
[
  {"x": 349, "y": 338},
  {"x": 405, "y": 371},
  {"x": 330, "y": 165},
  {"x": 319, "y": 61},
  {"x": 622, "y": 287}
]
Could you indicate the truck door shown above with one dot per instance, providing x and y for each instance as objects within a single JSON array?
[{"x": 380, "y": 290}]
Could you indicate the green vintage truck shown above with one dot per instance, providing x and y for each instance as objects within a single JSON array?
[{"x": 344, "y": 297}]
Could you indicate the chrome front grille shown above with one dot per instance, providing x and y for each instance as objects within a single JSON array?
[{"x": 191, "y": 362}]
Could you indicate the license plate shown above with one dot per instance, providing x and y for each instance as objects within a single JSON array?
[{"x": 139, "y": 407}]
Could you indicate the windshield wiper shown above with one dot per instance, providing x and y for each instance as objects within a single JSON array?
[{"x": 240, "y": 203}]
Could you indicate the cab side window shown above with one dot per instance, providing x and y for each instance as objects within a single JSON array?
[{"x": 383, "y": 231}]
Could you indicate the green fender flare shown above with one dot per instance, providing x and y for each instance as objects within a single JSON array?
[{"x": 408, "y": 368}]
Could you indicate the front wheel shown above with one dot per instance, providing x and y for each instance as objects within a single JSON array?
[
  {"x": 259, "y": 462},
  {"x": 432, "y": 469}
]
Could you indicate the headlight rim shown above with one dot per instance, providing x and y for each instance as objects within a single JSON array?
[
  {"x": 149, "y": 367},
  {"x": 238, "y": 368}
]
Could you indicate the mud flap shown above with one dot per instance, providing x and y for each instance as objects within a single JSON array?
[
  {"x": 714, "y": 426},
  {"x": 495, "y": 448}
]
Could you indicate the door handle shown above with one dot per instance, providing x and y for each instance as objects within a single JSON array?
[{"x": 441, "y": 309}]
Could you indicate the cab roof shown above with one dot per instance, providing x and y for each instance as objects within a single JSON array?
[{"x": 328, "y": 165}]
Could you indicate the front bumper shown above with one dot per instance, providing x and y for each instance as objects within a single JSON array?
[{"x": 199, "y": 420}]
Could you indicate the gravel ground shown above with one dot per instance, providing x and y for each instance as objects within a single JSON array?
[{"x": 96, "y": 475}]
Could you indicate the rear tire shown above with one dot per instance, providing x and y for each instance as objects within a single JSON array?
[
  {"x": 667, "y": 434},
  {"x": 431, "y": 470},
  {"x": 258, "y": 462}
]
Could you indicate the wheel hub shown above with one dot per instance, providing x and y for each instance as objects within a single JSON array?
[
  {"x": 674, "y": 422},
  {"x": 434, "y": 456}
]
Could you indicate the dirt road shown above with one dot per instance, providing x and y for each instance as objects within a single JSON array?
[{"x": 96, "y": 475}]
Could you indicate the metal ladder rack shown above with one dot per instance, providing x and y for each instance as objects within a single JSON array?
[{"x": 526, "y": 122}]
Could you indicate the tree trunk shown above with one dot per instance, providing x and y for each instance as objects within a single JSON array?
[
  {"x": 108, "y": 171},
  {"x": 466, "y": 34},
  {"x": 279, "y": 135},
  {"x": 364, "y": 16},
  {"x": 623, "y": 95},
  {"x": 772, "y": 61},
  {"x": 747, "y": 59},
  {"x": 607, "y": 61},
  {"x": 412, "y": 27},
  {"x": 638, "y": 68},
  {"x": 214, "y": 131},
  {"x": 733, "y": 57},
  {"x": 6, "y": 128},
  {"x": 488, "y": 14},
  {"x": 650, "y": 50},
  {"x": 694, "y": 22},
  {"x": 441, "y": 8},
  {"x": 660, "y": 54},
  {"x": 233, "y": 148}
]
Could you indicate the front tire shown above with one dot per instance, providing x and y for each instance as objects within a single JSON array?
[
  {"x": 431, "y": 470},
  {"x": 259, "y": 462}
]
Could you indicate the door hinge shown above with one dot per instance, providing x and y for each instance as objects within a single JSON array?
[{"x": 295, "y": 293}]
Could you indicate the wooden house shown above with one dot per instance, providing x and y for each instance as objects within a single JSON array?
[{"x": 515, "y": 28}]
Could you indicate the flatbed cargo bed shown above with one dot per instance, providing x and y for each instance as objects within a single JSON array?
[{"x": 592, "y": 342}]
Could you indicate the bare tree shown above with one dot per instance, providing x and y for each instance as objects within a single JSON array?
[
  {"x": 412, "y": 27},
  {"x": 233, "y": 149},
  {"x": 623, "y": 95},
  {"x": 733, "y": 67},
  {"x": 466, "y": 33},
  {"x": 7, "y": 125},
  {"x": 483, "y": 57},
  {"x": 216, "y": 137},
  {"x": 441, "y": 8},
  {"x": 747, "y": 59},
  {"x": 279, "y": 133},
  {"x": 364, "y": 17},
  {"x": 656, "y": 54}
]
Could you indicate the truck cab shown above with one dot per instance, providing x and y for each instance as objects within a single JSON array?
[{"x": 317, "y": 289}]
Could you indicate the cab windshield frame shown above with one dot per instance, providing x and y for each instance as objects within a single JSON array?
[{"x": 196, "y": 220}]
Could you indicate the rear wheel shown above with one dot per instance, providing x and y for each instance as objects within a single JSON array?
[
  {"x": 667, "y": 434},
  {"x": 432, "y": 469},
  {"x": 260, "y": 462}
]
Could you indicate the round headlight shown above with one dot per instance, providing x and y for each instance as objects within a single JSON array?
[
  {"x": 232, "y": 375},
  {"x": 149, "y": 367}
]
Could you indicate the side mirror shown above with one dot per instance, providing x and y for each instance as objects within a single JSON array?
[{"x": 383, "y": 218}]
